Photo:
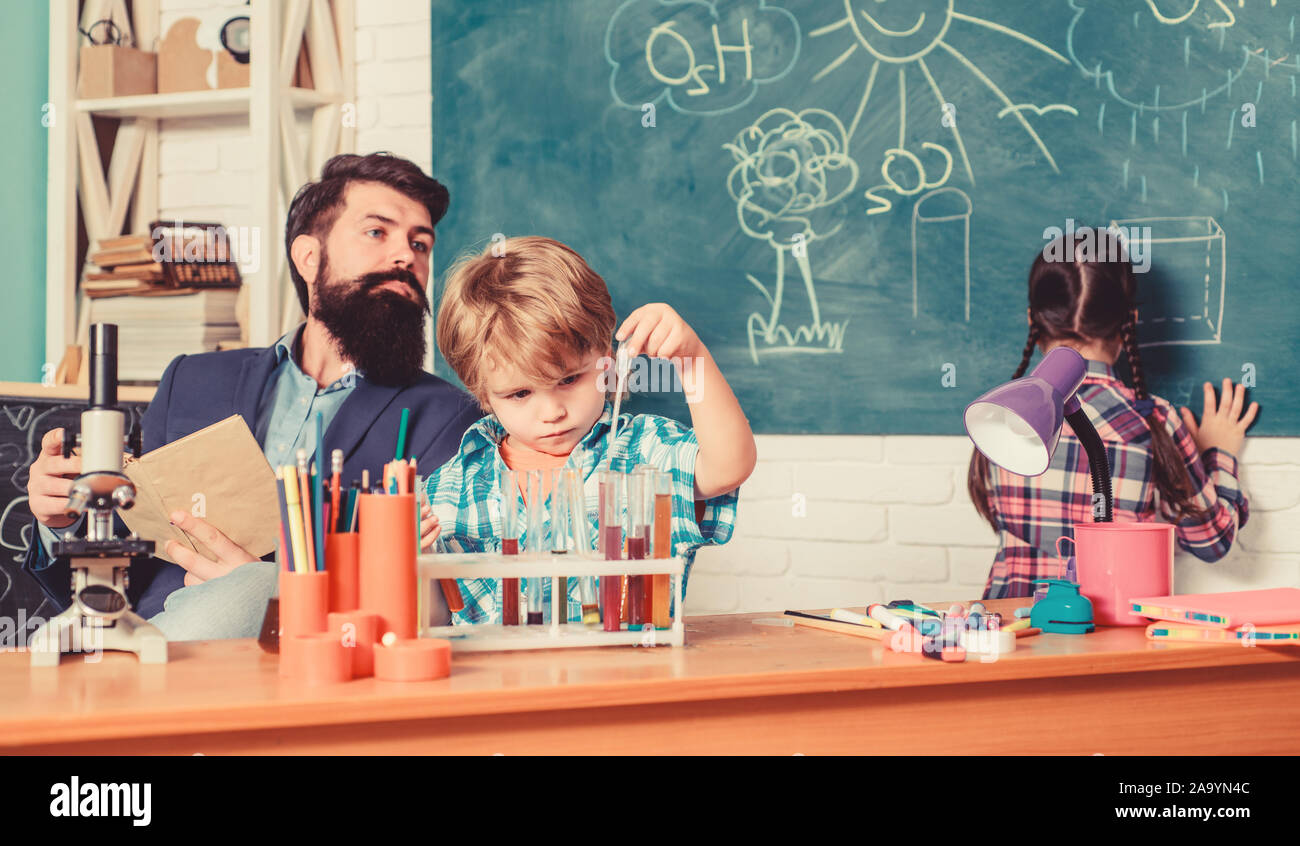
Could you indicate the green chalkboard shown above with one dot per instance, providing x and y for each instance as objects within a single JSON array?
[{"x": 844, "y": 198}]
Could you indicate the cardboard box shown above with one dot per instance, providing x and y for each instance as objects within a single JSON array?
[
  {"x": 107, "y": 70},
  {"x": 185, "y": 64},
  {"x": 182, "y": 63}
]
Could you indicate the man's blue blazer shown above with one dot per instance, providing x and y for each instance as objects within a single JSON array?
[{"x": 199, "y": 390}]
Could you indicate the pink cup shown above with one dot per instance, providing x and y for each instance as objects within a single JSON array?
[{"x": 1118, "y": 561}]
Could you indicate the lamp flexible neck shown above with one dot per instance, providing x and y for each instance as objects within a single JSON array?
[{"x": 1102, "y": 505}]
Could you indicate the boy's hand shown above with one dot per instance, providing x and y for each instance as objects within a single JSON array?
[
  {"x": 429, "y": 528},
  {"x": 1222, "y": 424},
  {"x": 659, "y": 332}
]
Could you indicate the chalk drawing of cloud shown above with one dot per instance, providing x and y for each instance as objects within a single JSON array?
[
  {"x": 699, "y": 57},
  {"x": 1165, "y": 55}
]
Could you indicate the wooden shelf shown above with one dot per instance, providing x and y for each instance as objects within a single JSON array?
[
  {"x": 111, "y": 193},
  {"x": 219, "y": 101},
  {"x": 125, "y": 393}
]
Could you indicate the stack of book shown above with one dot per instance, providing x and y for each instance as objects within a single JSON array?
[
  {"x": 153, "y": 330},
  {"x": 182, "y": 303},
  {"x": 126, "y": 266},
  {"x": 1245, "y": 617}
]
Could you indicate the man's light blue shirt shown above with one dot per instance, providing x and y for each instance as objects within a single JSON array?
[{"x": 284, "y": 417}]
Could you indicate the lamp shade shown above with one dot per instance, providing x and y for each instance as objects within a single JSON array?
[{"x": 1016, "y": 425}]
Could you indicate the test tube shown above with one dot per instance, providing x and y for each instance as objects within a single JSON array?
[
  {"x": 602, "y": 486},
  {"x": 509, "y": 545},
  {"x": 560, "y": 540},
  {"x": 537, "y": 545},
  {"x": 660, "y": 597},
  {"x": 636, "y": 546},
  {"x": 611, "y": 532},
  {"x": 582, "y": 545}
]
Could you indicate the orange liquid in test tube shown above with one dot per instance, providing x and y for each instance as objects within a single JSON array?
[{"x": 663, "y": 533}]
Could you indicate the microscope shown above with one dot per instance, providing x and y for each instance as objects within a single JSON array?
[{"x": 100, "y": 616}]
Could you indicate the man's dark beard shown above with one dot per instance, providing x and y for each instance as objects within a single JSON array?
[{"x": 380, "y": 332}]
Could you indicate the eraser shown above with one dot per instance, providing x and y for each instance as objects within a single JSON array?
[
  {"x": 954, "y": 654},
  {"x": 988, "y": 641}
]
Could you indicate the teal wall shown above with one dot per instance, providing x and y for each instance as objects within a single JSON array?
[{"x": 24, "y": 67}]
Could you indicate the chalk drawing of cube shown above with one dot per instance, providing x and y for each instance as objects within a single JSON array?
[{"x": 1180, "y": 298}]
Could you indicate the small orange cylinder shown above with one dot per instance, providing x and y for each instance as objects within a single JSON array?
[
  {"x": 318, "y": 658},
  {"x": 341, "y": 563},
  {"x": 304, "y": 602},
  {"x": 413, "y": 660},
  {"x": 386, "y": 561},
  {"x": 357, "y": 631}
]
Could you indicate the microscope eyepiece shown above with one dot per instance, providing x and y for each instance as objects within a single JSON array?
[{"x": 103, "y": 365}]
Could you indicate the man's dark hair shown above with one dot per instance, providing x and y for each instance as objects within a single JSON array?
[{"x": 317, "y": 205}]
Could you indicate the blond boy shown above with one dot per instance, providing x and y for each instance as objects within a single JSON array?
[{"x": 526, "y": 325}]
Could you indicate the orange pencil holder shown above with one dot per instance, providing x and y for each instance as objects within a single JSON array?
[
  {"x": 357, "y": 631},
  {"x": 341, "y": 563},
  {"x": 304, "y": 604},
  {"x": 318, "y": 658},
  {"x": 415, "y": 659},
  {"x": 386, "y": 561}
]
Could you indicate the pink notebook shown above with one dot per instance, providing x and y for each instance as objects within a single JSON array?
[{"x": 1224, "y": 610}]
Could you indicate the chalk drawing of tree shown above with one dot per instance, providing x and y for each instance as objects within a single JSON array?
[{"x": 791, "y": 170}]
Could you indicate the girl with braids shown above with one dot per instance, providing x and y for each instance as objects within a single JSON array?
[{"x": 1164, "y": 465}]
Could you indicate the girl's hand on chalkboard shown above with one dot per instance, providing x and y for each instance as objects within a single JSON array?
[
  {"x": 1223, "y": 425},
  {"x": 659, "y": 332},
  {"x": 49, "y": 480}
]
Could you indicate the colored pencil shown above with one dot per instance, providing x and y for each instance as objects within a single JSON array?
[
  {"x": 336, "y": 460},
  {"x": 401, "y": 434},
  {"x": 296, "y": 538},
  {"x": 318, "y": 495},
  {"x": 284, "y": 518},
  {"x": 304, "y": 495},
  {"x": 817, "y": 622}
]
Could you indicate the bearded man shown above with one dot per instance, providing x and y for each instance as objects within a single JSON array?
[{"x": 359, "y": 242}]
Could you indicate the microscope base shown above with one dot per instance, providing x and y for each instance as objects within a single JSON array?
[{"x": 71, "y": 632}]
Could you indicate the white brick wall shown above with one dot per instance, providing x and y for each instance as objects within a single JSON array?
[
  {"x": 889, "y": 518},
  {"x": 883, "y": 517}
]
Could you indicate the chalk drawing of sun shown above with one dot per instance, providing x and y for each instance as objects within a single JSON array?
[
  {"x": 900, "y": 43},
  {"x": 899, "y": 34}
]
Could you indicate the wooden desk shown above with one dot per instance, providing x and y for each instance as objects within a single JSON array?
[{"x": 735, "y": 688}]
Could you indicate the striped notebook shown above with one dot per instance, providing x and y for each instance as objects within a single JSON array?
[
  {"x": 1271, "y": 635},
  {"x": 1224, "y": 610}
]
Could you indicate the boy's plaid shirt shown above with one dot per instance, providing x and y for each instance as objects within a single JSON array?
[
  {"x": 465, "y": 494},
  {"x": 1032, "y": 512}
]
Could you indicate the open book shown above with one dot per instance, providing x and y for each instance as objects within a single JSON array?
[{"x": 218, "y": 473}]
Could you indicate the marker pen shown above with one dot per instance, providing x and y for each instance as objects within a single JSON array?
[{"x": 886, "y": 618}]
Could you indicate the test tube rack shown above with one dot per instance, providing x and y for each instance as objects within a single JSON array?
[{"x": 551, "y": 635}]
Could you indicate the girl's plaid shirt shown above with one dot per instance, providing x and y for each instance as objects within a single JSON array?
[
  {"x": 1032, "y": 512},
  {"x": 465, "y": 494}
]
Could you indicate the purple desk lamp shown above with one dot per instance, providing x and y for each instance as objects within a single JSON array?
[{"x": 1016, "y": 425}]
